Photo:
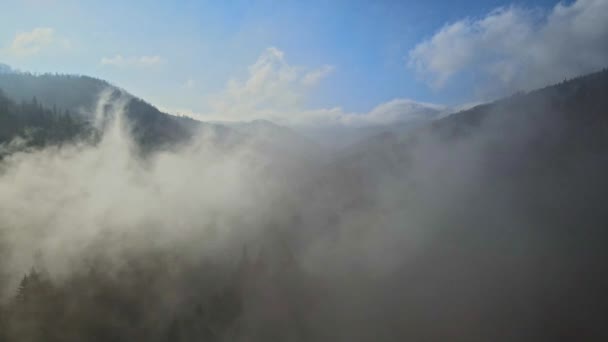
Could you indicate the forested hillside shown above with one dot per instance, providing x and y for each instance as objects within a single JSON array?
[
  {"x": 513, "y": 195},
  {"x": 79, "y": 96},
  {"x": 67, "y": 92},
  {"x": 486, "y": 225},
  {"x": 31, "y": 124}
]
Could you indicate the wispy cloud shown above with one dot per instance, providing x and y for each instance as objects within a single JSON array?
[
  {"x": 133, "y": 61},
  {"x": 190, "y": 83},
  {"x": 32, "y": 42},
  {"x": 517, "y": 48},
  {"x": 313, "y": 77}
]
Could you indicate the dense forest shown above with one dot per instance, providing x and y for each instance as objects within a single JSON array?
[
  {"x": 37, "y": 126},
  {"x": 486, "y": 225},
  {"x": 126, "y": 306}
]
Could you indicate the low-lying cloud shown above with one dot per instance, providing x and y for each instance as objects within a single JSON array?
[
  {"x": 250, "y": 232},
  {"x": 58, "y": 201}
]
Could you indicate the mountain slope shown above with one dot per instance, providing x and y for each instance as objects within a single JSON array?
[
  {"x": 29, "y": 124},
  {"x": 572, "y": 114},
  {"x": 510, "y": 197},
  {"x": 487, "y": 225},
  {"x": 80, "y": 94}
]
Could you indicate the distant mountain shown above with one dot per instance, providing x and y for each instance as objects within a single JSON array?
[
  {"x": 78, "y": 96},
  {"x": 397, "y": 116},
  {"x": 340, "y": 137},
  {"x": 266, "y": 134}
]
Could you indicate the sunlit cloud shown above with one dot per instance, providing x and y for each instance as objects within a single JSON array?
[
  {"x": 276, "y": 90},
  {"x": 32, "y": 42}
]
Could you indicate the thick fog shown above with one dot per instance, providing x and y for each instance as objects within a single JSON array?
[
  {"x": 405, "y": 237},
  {"x": 59, "y": 201}
]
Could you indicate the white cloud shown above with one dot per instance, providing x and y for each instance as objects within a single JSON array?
[
  {"x": 272, "y": 88},
  {"x": 516, "y": 48},
  {"x": 32, "y": 42},
  {"x": 275, "y": 90},
  {"x": 133, "y": 61}
]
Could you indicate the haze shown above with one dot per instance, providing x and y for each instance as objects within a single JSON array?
[{"x": 303, "y": 172}]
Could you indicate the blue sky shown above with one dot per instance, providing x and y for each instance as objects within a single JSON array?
[{"x": 181, "y": 55}]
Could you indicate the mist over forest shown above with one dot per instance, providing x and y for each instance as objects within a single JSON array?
[
  {"x": 283, "y": 171},
  {"x": 488, "y": 222}
]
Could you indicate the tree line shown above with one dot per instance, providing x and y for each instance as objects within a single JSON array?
[{"x": 37, "y": 126}]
